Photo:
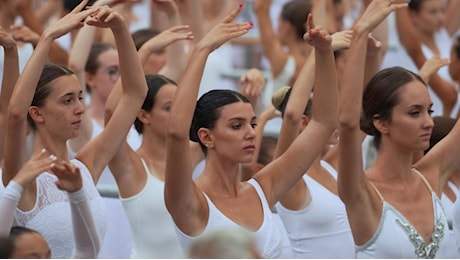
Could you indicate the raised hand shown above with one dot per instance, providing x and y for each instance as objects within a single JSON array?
[
  {"x": 106, "y": 17},
  {"x": 341, "y": 40},
  {"x": 431, "y": 66},
  {"x": 317, "y": 36},
  {"x": 69, "y": 177},
  {"x": 39, "y": 163},
  {"x": 373, "y": 46},
  {"x": 71, "y": 21},
  {"x": 253, "y": 83},
  {"x": 224, "y": 31},
  {"x": 6, "y": 40},
  {"x": 24, "y": 34},
  {"x": 168, "y": 37},
  {"x": 376, "y": 12}
]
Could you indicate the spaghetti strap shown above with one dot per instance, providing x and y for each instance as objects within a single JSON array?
[
  {"x": 378, "y": 192},
  {"x": 423, "y": 178}
]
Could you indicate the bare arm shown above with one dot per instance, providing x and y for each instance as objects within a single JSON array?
[
  {"x": 452, "y": 17},
  {"x": 184, "y": 201},
  {"x": 15, "y": 141},
  {"x": 99, "y": 151},
  {"x": 272, "y": 47},
  {"x": 10, "y": 75},
  {"x": 272, "y": 178}
]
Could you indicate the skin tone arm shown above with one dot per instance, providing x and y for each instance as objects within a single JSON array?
[
  {"x": 48, "y": 9},
  {"x": 184, "y": 201},
  {"x": 126, "y": 162},
  {"x": 272, "y": 48},
  {"x": 352, "y": 185},
  {"x": 78, "y": 57},
  {"x": 452, "y": 18},
  {"x": 410, "y": 40},
  {"x": 15, "y": 141},
  {"x": 175, "y": 62},
  {"x": 273, "y": 178},
  {"x": 99, "y": 151},
  {"x": 10, "y": 75}
]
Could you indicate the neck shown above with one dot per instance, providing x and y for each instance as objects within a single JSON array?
[
  {"x": 153, "y": 147},
  {"x": 220, "y": 176},
  {"x": 53, "y": 145},
  {"x": 401, "y": 162},
  {"x": 97, "y": 109}
]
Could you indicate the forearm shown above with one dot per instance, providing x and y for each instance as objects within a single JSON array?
[{"x": 8, "y": 203}]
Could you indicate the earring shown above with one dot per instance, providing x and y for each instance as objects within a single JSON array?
[{"x": 209, "y": 145}]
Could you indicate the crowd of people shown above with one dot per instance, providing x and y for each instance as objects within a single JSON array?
[{"x": 229, "y": 129}]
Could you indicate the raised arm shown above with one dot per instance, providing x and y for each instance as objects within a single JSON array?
[
  {"x": 98, "y": 152},
  {"x": 272, "y": 47},
  {"x": 452, "y": 17},
  {"x": 10, "y": 75},
  {"x": 15, "y": 140},
  {"x": 352, "y": 185},
  {"x": 273, "y": 177},
  {"x": 183, "y": 200}
]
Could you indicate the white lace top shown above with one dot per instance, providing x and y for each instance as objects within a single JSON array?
[{"x": 51, "y": 215}]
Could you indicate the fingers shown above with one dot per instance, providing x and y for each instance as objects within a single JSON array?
[
  {"x": 233, "y": 14},
  {"x": 310, "y": 22}
]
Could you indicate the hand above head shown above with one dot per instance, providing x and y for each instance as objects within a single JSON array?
[
  {"x": 341, "y": 40},
  {"x": 373, "y": 46},
  {"x": 106, "y": 17},
  {"x": 375, "y": 13},
  {"x": 69, "y": 22},
  {"x": 269, "y": 113},
  {"x": 24, "y": 34},
  {"x": 431, "y": 66},
  {"x": 224, "y": 31},
  {"x": 69, "y": 177},
  {"x": 6, "y": 40},
  {"x": 317, "y": 36},
  {"x": 36, "y": 165},
  {"x": 253, "y": 83},
  {"x": 168, "y": 37}
]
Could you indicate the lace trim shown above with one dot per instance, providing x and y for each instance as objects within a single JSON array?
[{"x": 423, "y": 250}]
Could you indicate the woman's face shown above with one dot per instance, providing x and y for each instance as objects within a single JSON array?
[
  {"x": 430, "y": 17},
  {"x": 159, "y": 115},
  {"x": 102, "y": 82},
  {"x": 234, "y": 135},
  {"x": 411, "y": 123},
  {"x": 63, "y": 108},
  {"x": 31, "y": 246}
]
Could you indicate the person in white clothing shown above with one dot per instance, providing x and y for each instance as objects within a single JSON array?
[
  {"x": 48, "y": 99},
  {"x": 223, "y": 122},
  {"x": 28, "y": 243},
  {"x": 393, "y": 207}
]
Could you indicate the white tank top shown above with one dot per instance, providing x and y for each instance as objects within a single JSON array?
[
  {"x": 396, "y": 237},
  {"x": 151, "y": 224},
  {"x": 320, "y": 230},
  {"x": 267, "y": 238}
]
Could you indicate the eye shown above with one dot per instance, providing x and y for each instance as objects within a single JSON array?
[
  {"x": 430, "y": 111},
  {"x": 254, "y": 125},
  {"x": 236, "y": 127},
  {"x": 67, "y": 101},
  {"x": 414, "y": 113}
]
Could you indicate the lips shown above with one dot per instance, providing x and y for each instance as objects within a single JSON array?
[{"x": 250, "y": 148}]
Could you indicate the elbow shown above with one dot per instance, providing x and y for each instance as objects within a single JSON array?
[
  {"x": 175, "y": 133},
  {"x": 347, "y": 122},
  {"x": 292, "y": 116},
  {"x": 16, "y": 113},
  {"x": 75, "y": 67}
]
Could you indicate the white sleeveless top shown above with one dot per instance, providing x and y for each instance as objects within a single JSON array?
[
  {"x": 267, "y": 238},
  {"x": 396, "y": 237},
  {"x": 151, "y": 224},
  {"x": 51, "y": 215},
  {"x": 456, "y": 222},
  {"x": 320, "y": 230}
]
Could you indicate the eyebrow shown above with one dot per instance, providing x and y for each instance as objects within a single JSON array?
[{"x": 241, "y": 119}]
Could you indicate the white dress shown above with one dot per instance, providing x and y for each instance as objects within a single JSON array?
[{"x": 51, "y": 215}]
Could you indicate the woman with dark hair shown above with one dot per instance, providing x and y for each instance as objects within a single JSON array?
[
  {"x": 393, "y": 206},
  {"x": 49, "y": 98},
  {"x": 223, "y": 122}
]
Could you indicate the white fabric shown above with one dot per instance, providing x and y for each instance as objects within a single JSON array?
[
  {"x": 268, "y": 237},
  {"x": 320, "y": 230},
  {"x": 152, "y": 227},
  {"x": 456, "y": 222},
  {"x": 51, "y": 215},
  {"x": 87, "y": 242},
  {"x": 396, "y": 237}
]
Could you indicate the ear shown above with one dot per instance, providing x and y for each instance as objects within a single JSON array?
[
  {"x": 205, "y": 136},
  {"x": 381, "y": 125},
  {"x": 89, "y": 80},
  {"x": 144, "y": 117},
  {"x": 35, "y": 114}
]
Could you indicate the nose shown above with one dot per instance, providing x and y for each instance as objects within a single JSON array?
[
  {"x": 428, "y": 123},
  {"x": 81, "y": 108},
  {"x": 251, "y": 133}
]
